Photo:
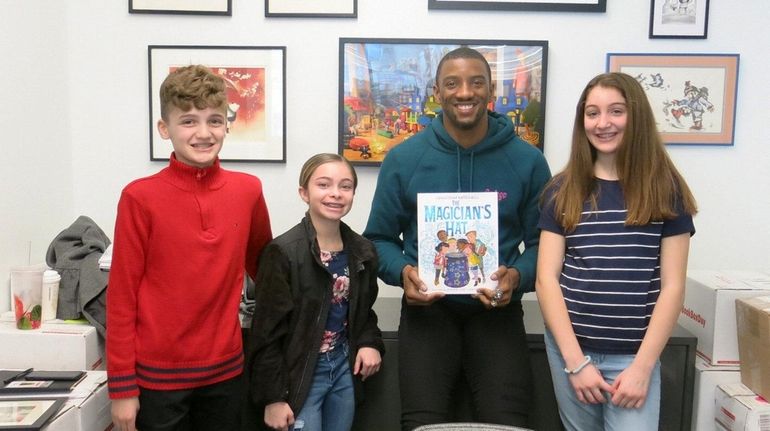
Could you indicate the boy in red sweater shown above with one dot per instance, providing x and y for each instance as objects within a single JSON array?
[{"x": 183, "y": 238}]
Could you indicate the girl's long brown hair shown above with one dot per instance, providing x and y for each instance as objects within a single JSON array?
[{"x": 652, "y": 186}]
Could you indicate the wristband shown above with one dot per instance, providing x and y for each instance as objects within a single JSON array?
[{"x": 579, "y": 367}]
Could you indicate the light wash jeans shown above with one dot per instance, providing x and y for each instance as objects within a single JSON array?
[
  {"x": 330, "y": 403},
  {"x": 578, "y": 416}
]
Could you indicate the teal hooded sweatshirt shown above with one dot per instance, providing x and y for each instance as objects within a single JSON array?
[{"x": 432, "y": 162}]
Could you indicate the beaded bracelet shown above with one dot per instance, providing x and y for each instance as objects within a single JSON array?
[{"x": 579, "y": 367}]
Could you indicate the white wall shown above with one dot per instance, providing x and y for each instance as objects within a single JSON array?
[
  {"x": 87, "y": 105},
  {"x": 36, "y": 178}
]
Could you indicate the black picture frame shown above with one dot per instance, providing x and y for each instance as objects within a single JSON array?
[
  {"x": 27, "y": 413},
  {"x": 385, "y": 90},
  {"x": 256, "y": 87},
  {"x": 679, "y": 20},
  {"x": 171, "y": 7},
  {"x": 545, "y": 6},
  {"x": 311, "y": 9}
]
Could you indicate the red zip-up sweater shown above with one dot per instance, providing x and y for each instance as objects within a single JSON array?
[{"x": 183, "y": 238}]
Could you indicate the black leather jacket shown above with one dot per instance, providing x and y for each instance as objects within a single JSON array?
[{"x": 292, "y": 299}]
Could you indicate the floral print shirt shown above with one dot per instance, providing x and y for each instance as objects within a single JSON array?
[{"x": 336, "y": 263}]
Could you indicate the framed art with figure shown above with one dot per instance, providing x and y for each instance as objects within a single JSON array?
[
  {"x": 528, "y": 5},
  {"x": 693, "y": 96},
  {"x": 386, "y": 90},
  {"x": 255, "y": 78},
  {"x": 679, "y": 19}
]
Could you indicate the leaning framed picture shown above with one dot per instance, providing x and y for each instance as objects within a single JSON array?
[
  {"x": 255, "y": 79},
  {"x": 693, "y": 96},
  {"x": 27, "y": 413},
  {"x": 529, "y": 5},
  {"x": 183, "y": 7},
  {"x": 679, "y": 19},
  {"x": 311, "y": 8},
  {"x": 386, "y": 90}
]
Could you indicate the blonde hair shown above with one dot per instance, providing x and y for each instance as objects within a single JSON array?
[
  {"x": 319, "y": 159},
  {"x": 190, "y": 86},
  {"x": 652, "y": 186}
]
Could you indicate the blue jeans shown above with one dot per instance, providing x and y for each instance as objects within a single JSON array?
[
  {"x": 576, "y": 415},
  {"x": 330, "y": 403}
]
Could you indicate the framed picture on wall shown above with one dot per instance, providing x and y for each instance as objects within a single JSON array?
[
  {"x": 386, "y": 90},
  {"x": 693, "y": 96},
  {"x": 184, "y": 7},
  {"x": 311, "y": 8},
  {"x": 255, "y": 78},
  {"x": 679, "y": 19},
  {"x": 542, "y": 5}
]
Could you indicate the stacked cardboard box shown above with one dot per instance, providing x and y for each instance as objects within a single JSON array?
[
  {"x": 709, "y": 314},
  {"x": 739, "y": 409},
  {"x": 87, "y": 407},
  {"x": 753, "y": 319},
  {"x": 709, "y": 310},
  {"x": 707, "y": 378},
  {"x": 53, "y": 347}
]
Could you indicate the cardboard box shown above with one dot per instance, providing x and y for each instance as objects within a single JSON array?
[
  {"x": 52, "y": 347},
  {"x": 66, "y": 420},
  {"x": 707, "y": 377},
  {"x": 709, "y": 310},
  {"x": 753, "y": 320},
  {"x": 92, "y": 403},
  {"x": 739, "y": 409}
]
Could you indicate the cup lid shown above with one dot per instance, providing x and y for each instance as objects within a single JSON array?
[{"x": 51, "y": 275}]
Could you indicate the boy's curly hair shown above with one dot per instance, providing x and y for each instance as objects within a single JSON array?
[{"x": 192, "y": 86}]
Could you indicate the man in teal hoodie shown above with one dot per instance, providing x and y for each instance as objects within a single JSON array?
[{"x": 465, "y": 149}]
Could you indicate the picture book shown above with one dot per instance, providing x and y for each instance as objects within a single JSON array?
[{"x": 457, "y": 241}]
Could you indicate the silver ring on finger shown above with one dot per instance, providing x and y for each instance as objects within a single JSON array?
[
  {"x": 498, "y": 295},
  {"x": 493, "y": 303}
]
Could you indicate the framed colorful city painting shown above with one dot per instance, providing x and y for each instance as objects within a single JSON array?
[
  {"x": 255, "y": 78},
  {"x": 693, "y": 96},
  {"x": 531, "y": 5},
  {"x": 182, "y": 7},
  {"x": 386, "y": 90}
]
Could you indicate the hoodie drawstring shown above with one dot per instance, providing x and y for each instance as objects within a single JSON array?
[
  {"x": 457, "y": 152},
  {"x": 459, "y": 182}
]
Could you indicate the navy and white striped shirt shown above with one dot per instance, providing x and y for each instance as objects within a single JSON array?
[{"x": 611, "y": 274}]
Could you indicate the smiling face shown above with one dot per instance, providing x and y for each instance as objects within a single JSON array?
[
  {"x": 196, "y": 135},
  {"x": 329, "y": 192},
  {"x": 605, "y": 118},
  {"x": 463, "y": 89}
]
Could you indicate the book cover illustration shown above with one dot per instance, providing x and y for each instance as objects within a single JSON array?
[{"x": 457, "y": 241}]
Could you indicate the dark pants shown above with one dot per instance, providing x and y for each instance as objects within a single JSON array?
[
  {"x": 442, "y": 342},
  {"x": 215, "y": 407}
]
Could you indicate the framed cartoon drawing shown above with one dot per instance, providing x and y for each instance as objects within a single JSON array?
[
  {"x": 530, "y": 5},
  {"x": 693, "y": 96},
  {"x": 256, "y": 92},
  {"x": 679, "y": 19},
  {"x": 386, "y": 90}
]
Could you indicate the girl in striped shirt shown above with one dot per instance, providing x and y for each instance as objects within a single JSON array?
[{"x": 615, "y": 235}]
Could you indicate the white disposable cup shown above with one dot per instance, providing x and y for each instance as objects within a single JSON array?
[
  {"x": 27, "y": 288},
  {"x": 51, "y": 280}
]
